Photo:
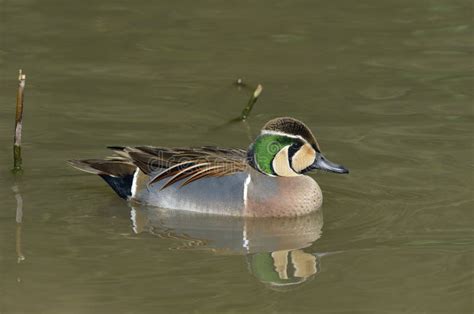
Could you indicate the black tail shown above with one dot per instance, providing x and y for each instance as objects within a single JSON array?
[
  {"x": 121, "y": 185},
  {"x": 117, "y": 173}
]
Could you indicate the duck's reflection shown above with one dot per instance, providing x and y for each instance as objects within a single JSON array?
[
  {"x": 283, "y": 268},
  {"x": 273, "y": 246}
]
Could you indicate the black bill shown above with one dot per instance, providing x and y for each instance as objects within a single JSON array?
[{"x": 322, "y": 163}]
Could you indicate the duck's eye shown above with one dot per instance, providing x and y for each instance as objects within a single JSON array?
[{"x": 293, "y": 149}]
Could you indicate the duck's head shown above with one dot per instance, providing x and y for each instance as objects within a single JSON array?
[{"x": 286, "y": 147}]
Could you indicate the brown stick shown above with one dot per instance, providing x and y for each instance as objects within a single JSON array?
[{"x": 17, "y": 160}]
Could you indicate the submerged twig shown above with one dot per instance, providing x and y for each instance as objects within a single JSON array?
[
  {"x": 19, "y": 222},
  {"x": 246, "y": 111},
  {"x": 253, "y": 99},
  {"x": 240, "y": 82},
  {"x": 17, "y": 160}
]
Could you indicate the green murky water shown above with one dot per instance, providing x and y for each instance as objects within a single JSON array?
[{"x": 386, "y": 86}]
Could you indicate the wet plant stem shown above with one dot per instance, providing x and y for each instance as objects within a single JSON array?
[{"x": 253, "y": 99}]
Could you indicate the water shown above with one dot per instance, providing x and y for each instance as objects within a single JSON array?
[{"x": 386, "y": 87}]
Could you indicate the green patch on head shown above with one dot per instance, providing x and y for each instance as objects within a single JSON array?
[{"x": 266, "y": 147}]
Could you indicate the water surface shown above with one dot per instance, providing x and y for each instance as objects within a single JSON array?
[{"x": 386, "y": 87}]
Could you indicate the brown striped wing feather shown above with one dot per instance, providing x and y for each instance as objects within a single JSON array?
[{"x": 188, "y": 164}]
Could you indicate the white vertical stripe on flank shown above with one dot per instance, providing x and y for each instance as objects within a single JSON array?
[{"x": 246, "y": 189}]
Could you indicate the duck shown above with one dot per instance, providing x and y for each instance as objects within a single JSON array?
[{"x": 269, "y": 179}]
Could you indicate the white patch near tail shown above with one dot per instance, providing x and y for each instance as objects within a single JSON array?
[{"x": 134, "y": 182}]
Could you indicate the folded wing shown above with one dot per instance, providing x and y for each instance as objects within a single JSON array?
[{"x": 188, "y": 164}]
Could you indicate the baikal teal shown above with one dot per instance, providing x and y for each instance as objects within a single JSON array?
[{"x": 267, "y": 180}]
